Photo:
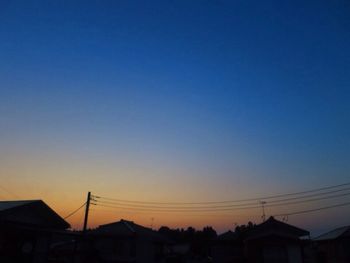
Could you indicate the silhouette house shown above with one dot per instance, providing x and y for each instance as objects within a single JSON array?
[
  {"x": 125, "y": 241},
  {"x": 334, "y": 246},
  {"x": 26, "y": 228},
  {"x": 275, "y": 241},
  {"x": 228, "y": 247},
  {"x": 271, "y": 241}
]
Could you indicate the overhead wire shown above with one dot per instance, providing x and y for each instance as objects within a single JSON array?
[
  {"x": 216, "y": 209},
  {"x": 321, "y": 196},
  {"x": 314, "y": 210},
  {"x": 9, "y": 192},
  {"x": 174, "y": 210},
  {"x": 75, "y": 211},
  {"x": 301, "y": 197},
  {"x": 220, "y": 207},
  {"x": 303, "y": 193}
]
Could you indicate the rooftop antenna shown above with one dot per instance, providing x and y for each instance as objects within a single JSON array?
[
  {"x": 263, "y": 210},
  {"x": 152, "y": 220}
]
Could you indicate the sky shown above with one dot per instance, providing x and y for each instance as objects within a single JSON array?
[{"x": 174, "y": 101}]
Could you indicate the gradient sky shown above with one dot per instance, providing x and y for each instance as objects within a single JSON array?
[{"x": 174, "y": 100}]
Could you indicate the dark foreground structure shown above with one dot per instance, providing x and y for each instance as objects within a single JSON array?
[
  {"x": 334, "y": 246},
  {"x": 270, "y": 242},
  {"x": 118, "y": 242},
  {"x": 26, "y": 230},
  {"x": 31, "y": 232}
]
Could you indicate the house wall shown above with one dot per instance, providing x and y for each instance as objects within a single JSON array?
[
  {"x": 294, "y": 253},
  {"x": 23, "y": 245},
  {"x": 274, "y": 253},
  {"x": 111, "y": 248},
  {"x": 225, "y": 252},
  {"x": 128, "y": 249},
  {"x": 145, "y": 251},
  {"x": 267, "y": 249},
  {"x": 274, "y": 250},
  {"x": 334, "y": 251}
]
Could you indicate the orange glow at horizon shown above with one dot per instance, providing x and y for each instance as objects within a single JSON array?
[{"x": 63, "y": 185}]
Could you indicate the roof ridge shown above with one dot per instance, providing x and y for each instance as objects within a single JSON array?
[
  {"x": 326, "y": 235},
  {"x": 11, "y": 204},
  {"x": 128, "y": 225},
  {"x": 22, "y": 200}
]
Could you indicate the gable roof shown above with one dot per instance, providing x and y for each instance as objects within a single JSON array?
[
  {"x": 122, "y": 228},
  {"x": 4, "y": 205},
  {"x": 32, "y": 213},
  {"x": 334, "y": 234},
  {"x": 125, "y": 228},
  {"x": 276, "y": 227}
]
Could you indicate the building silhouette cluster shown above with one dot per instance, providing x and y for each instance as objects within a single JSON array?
[{"x": 30, "y": 231}]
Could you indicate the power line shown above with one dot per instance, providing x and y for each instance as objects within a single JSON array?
[
  {"x": 309, "y": 200},
  {"x": 341, "y": 192},
  {"x": 218, "y": 210},
  {"x": 314, "y": 210},
  {"x": 9, "y": 192},
  {"x": 76, "y": 210},
  {"x": 231, "y": 205},
  {"x": 228, "y": 201},
  {"x": 213, "y": 208},
  {"x": 310, "y": 195},
  {"x": 132, "y": 212},
  {"x": 175, "y": 209},
  {"x": 305, "y": 198},
  {"x": 251, "y": 205},
  {"x": 172, "y": 210}
]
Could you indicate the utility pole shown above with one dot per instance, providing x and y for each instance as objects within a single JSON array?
[
  {"x": 86, "y": 212},
  {"x": 75, "y": 257},
  {"x": 263, "y": 210}
]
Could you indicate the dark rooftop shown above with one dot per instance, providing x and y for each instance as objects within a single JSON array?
[
  {"x": 125, "y": 228},
  {"x": 276, "y": 227},
  {"x": 334, "y": 234},
  {"x": 32, "y": 213}
]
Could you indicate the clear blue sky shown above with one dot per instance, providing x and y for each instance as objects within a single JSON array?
[{"x": 245, "y": 96}]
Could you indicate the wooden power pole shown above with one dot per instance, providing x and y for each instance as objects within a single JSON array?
[
  {"x": 79, "y": 238},
  {"x": 87, "y": 212}
]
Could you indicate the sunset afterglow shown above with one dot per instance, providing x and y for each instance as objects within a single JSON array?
[{"x": 175, "y": 102}]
